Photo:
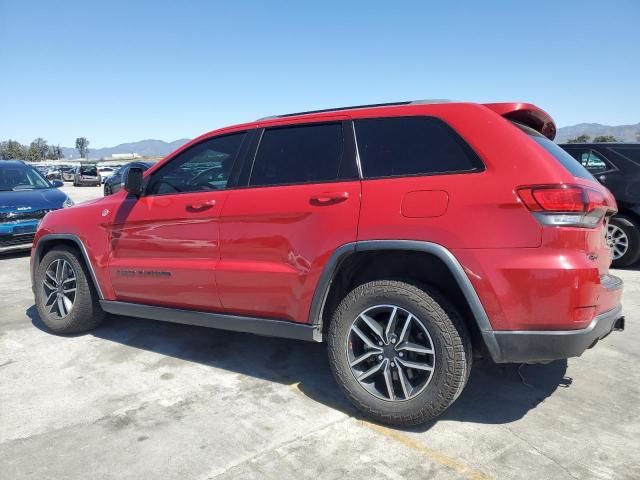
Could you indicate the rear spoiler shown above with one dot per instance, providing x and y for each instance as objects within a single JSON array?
[{"x": 527, "y": 114}]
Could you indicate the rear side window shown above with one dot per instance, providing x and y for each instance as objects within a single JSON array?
[
  {"x": 566, "y": 160},
  {"x": 399, "y": 146},
  {"x": 299, "y": 154}
]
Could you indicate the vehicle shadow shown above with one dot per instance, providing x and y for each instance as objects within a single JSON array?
[
  {"x": 16, "y": 254},
  {"x": 495, "y": 394}
]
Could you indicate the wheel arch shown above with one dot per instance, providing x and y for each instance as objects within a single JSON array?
[
  {"x": 338, "y": 278},
  {"x": 47, "y": 242}
]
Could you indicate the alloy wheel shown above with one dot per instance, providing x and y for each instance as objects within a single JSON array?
[
  {"x": 617, "y": 240},
  {"x": 59, "y": 288},
  {"x": 390, "y": 353}
]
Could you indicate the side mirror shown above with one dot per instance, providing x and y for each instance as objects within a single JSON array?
[
  {"x": 132, "y": 181},
  {"x": 57, "y": 183}
]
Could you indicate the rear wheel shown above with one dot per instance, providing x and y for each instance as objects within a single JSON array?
[
  {"x": 65, "y": 297},
  {"x": 107, "y": 190},
  {"x": 399, "y": 352},
  {"x": 623, "y": 237}
]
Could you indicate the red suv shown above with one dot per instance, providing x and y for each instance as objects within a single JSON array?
[{"x": 410, "y": 236}]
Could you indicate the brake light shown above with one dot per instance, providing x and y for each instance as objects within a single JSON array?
[{"x": 567, "y": 205}]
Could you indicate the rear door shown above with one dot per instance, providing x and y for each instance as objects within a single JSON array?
[
  {"x": 300, "y": 202},
  {"x": 164, "y": 246}
]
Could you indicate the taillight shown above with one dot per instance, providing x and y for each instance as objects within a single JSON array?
[{"x": 567, "y": 205}]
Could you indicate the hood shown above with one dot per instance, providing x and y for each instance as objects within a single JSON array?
[{"x": 31, "y": 200}]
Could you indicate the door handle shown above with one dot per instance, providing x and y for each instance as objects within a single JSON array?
[
  {"x": 327, "y": 198},
  {"x": 200, "y": 206}
]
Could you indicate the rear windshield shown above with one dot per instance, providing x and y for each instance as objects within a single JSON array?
[
  {"x": 89, "y": 171},
  {"x": 567, "y": 161}
]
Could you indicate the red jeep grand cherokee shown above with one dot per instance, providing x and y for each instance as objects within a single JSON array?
[{"x": 410, "y": 236}]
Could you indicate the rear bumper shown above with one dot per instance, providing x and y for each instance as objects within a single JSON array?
[{"x": 545, "y": 346}]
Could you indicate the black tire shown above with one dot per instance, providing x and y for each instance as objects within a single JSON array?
[
  {"x": 450, "y": 339},
  {"x": 107, "y": 191},
  {"x": 631, "y": 228},
  {"x": 85, "y": 313}
]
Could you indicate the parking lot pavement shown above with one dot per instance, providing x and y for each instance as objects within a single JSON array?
[
  {"x": 81, "y": 194},
  {"x": 143, "y": 399}
]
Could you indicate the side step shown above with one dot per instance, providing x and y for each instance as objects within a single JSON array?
[{"x": 258, "y": 326}]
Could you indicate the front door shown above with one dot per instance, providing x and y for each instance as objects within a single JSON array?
[
  {"x": 164, "y": 246},
  {"x": 300, "y": 204}
]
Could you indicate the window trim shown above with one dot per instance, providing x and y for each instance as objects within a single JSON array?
[
  {"x": 232, "y": 174},
  {"x": 481, "y": 168},
  {"x": 347, "y": 150}
]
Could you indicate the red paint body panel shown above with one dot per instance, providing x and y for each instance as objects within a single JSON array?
[
  {"x": 261, "y": 251},
  {"x": 275, "y": 242},
  {"x": 424, "y": 204},
  {"x": 164, "y": 250}
]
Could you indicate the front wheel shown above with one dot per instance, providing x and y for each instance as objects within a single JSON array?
[
  {"x": 65, "y": 297},
  {"x": 623, "y": 237},
  {"x": 400, "y": 353}
]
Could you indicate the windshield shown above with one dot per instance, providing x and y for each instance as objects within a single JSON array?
[
  {"x": 567, "y": 161},
  {"x": 21, "y": 178}
]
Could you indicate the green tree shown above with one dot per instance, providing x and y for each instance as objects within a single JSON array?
[
  {"x": 32, "y": 153},
  {"x": 605, "y": 138},
  {"x": 584, "y": 138},
  {"x": 55, "y": 153},
  {"x": 82, "y": 145},
  {"x": 12, "y": 149},
  {"x": 38, "y": 149}
]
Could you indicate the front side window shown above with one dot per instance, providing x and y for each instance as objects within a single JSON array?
[
  {"x": 298, "y": 154},
  {"x": 403, "y": 146},
  {"x": 203, "y": 167}
]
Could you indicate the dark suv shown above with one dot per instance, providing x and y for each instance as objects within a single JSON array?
[
  {"x": 411, "y": 237},
  {"x": 617, "y": 166}
]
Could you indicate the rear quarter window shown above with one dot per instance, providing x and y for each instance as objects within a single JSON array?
[{"x": 405, "y": 146}]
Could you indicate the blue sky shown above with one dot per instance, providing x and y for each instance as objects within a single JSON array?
[{"x": 118, "y": 71}]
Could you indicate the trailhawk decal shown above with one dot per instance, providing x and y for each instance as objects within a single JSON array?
[{"x": 142, "y": 273}]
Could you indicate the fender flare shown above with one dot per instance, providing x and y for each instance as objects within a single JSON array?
[
  {"x": 450, "y": 261},
  {"x": 52, "y": 237}
]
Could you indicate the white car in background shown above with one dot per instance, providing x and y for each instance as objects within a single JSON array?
[{"x": 105, "y": 172}]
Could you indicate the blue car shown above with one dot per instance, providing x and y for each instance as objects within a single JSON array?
[{"x": 25, "y": 197}]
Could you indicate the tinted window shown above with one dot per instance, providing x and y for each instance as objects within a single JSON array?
[
  {"x": 206, "y": 166},
  {"x": 566, "y": 160},
  {"x": 300, "y": 154},
  {"x": 89, "y": 171},
  {"x": 632, "y": 153},
  {"x": 411, "y": 146},
  {"x": 593, "y": 162}
]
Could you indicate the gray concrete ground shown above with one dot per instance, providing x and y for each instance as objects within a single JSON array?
[{"x": 140, "y": 399}]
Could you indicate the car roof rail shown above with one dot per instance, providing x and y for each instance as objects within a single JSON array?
[{"x": 354, "y": 107}]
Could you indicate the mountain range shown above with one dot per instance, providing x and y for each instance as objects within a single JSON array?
[
  {"x": 623, "y": 133},
  {"x": 160, "y": 148},
  {"x": 145, "y": 148}
]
